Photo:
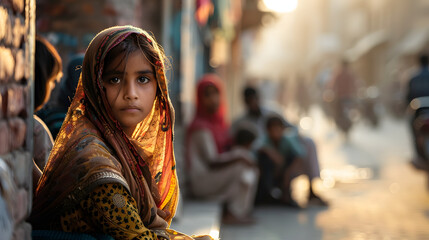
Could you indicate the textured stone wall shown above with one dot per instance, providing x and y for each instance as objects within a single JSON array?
[{"x": 16, "y": 45}]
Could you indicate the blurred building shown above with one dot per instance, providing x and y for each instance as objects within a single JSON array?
[
  {"x": 381, "y": 39},
  {"x": 370, "y": 34},
  {"x": 212, "y": 36}
]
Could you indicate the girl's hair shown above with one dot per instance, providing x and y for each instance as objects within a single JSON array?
[
  {"x": 134, "y": 42},
  {"x": 48, "y": 68}
]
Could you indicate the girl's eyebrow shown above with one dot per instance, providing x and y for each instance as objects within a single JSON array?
[
  {"x": 118, "y": 72},
  {"x": 113, "y": 72},
  {"x": 145, "y": 72}
]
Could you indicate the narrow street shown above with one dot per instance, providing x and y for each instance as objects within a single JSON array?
[{"x": 373, "y": 191}]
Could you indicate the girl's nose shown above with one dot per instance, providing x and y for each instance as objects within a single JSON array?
[{"x": 130, "y": 90}]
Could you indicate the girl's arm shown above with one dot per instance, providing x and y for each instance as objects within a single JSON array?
[{"x": 110, "y": 209}]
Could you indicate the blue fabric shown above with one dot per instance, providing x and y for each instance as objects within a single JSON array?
[
  {"x": 293, "y": 139},
  {"x": 290, "y": 145},
  {"x": 59, "y": 235},
  {"x": 419, "y": 85}
]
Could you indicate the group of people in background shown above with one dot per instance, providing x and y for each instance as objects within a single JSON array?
[
  {"x": 253, "y": 161},
  {"x": 111, "y": 169}
]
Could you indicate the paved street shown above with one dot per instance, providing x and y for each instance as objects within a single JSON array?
[{"x": 373, "y": 191}]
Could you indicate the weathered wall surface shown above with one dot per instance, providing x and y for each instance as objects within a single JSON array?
[{"x": 16, "y": 45}]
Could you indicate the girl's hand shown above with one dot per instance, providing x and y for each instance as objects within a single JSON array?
[{"x": 163, "y": 214}]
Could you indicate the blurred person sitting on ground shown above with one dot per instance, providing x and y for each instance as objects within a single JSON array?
[
  {"x": 55, "y": 110},
  {"x": 418, "y": 86},
  {"x": 112, "y": 168},
  {"x": 214, "y": 171},
  {"x": 296, "y": 146},
  {"x": 284, "y": 156},
  {"x": 48, "y": 70}
]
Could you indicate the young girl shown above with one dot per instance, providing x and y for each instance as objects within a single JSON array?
[{"x": 112, "y": 168}]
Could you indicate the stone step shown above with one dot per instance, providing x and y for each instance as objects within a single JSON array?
[{"x": 195, "y": 217}]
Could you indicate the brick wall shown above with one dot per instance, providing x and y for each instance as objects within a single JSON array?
[{"x": 16, "y": 57}]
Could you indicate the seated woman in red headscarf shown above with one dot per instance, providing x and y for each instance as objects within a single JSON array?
[{"x": 213, "y": 171}]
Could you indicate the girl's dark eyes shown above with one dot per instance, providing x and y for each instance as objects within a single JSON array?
[
  {"x": 114, "y": 80},
  {"x": 143, "y": 79},
  {"x": 117, "y": 80}
]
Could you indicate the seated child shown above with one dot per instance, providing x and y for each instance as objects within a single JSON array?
[{"x": 283, "y": 156}]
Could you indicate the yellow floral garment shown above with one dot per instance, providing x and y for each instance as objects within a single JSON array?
[{"x": 111, "y": 208}]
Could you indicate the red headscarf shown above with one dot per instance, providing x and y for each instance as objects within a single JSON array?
[{"x": 214, "y": 122}]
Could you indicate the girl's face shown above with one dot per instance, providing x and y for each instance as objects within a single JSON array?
[
  {"x": 211, "y": 99},
  {"x": 130, "y": 89}
]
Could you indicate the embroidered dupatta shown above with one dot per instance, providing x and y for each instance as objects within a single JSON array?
[{"x": 92, "y": 149}]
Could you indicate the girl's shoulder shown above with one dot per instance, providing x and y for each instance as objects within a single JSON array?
[
  {"x": 80, "y": 136},
  {"x": 93, "y": 145},
  {"x": 91, "y": 140}
]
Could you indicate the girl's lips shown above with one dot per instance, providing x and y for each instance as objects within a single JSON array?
[{"x": 131, "y": 109}]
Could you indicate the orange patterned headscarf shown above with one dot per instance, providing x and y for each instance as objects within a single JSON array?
[{"x": 92, "y": 148}]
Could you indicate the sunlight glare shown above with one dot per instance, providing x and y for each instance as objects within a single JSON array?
[
  {"x": 280, "y": 6},
  {"x": 214, "y": 233}
]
